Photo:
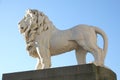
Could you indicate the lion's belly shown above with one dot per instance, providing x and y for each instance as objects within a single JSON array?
[{"x": 62, "y": 47}]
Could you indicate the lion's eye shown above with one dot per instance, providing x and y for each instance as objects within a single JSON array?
[{"x": 21, "y": 27}]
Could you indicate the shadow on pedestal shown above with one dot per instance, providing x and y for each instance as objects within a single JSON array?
[{"x": 77, "y": 72}]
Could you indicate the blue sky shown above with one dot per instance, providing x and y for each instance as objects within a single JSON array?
[{"x": 64, "y": 14}]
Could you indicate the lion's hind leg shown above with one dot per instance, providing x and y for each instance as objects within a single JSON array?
[
  {"x": 94, "y": 49},
  {"x": 81, "y": 56},
  {"x": 96, "y": 52}
]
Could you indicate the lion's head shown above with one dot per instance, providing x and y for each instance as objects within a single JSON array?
[
  {"x": 26, "y": 27},
  {"x": 41, "y": 20},
  {"x": 34, "y": 23},
  {"x": 24, "y": 23},
  {"x": 35, "y": 18}
]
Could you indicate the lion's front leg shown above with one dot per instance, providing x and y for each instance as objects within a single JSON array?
[
  {"x": 45, "y": 57},
  {"x": 39, "y": 64}
]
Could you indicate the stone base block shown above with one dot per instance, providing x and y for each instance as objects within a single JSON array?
[{"x": 77, "y": 72}]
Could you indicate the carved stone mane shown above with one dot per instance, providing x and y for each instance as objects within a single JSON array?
[{"x": 39, "y": 24}]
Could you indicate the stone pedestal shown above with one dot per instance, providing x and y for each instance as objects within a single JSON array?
[{"x": 77, "y": 72}]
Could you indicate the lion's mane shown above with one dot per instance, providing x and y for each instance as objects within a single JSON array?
[{"x": 39, "y": 24}]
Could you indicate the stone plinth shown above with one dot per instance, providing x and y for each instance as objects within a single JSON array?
[{"x": 77, "y": 72}]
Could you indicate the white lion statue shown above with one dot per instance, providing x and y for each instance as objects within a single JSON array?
[{"x": 44, "y": 40}]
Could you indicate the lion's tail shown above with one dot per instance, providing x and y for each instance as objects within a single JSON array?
[{"x": 102, "y": 33}]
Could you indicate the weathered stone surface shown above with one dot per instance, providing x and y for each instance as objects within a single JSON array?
[
  {"x": 77, "y": 72},
  {"x": 44, "y": 40}
]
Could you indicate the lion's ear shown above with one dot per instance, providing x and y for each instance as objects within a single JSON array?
[
  {"x": 46, "y": 23},
  {"x": 41, "y": 13},
  {"x": 45, "y": 27},
  {"x": 40, "y": 19}
]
